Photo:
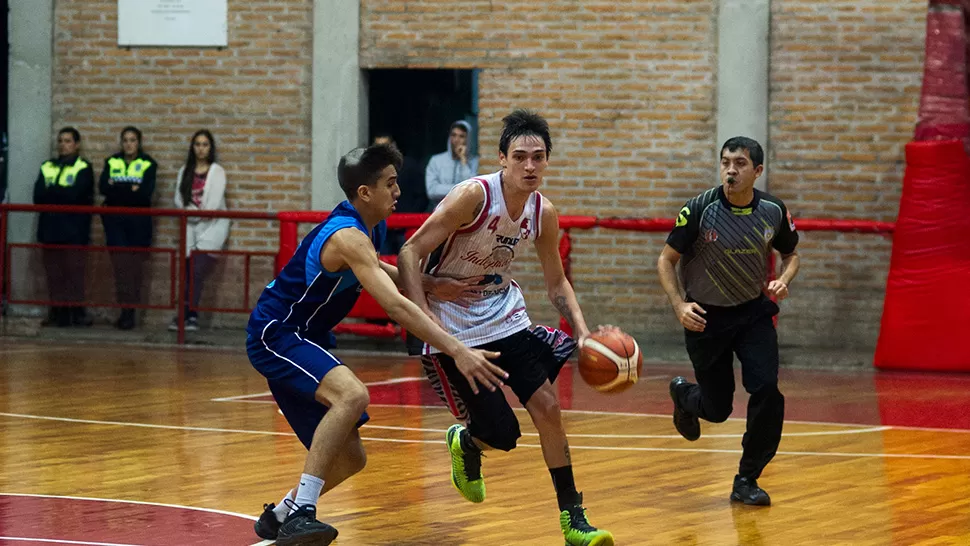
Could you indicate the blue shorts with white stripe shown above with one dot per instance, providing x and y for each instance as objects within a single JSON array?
[{"x": 294, "y": 366}]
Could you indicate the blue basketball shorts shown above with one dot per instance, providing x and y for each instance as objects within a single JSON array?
[{"x": 293, "y": 367}]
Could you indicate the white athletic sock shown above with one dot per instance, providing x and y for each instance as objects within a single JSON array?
[
  {"x": 309, "y": 491},
  {"x": 282, "y": 509}
]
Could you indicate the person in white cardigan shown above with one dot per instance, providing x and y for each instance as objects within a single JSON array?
[{"x": 202, "y": 186}]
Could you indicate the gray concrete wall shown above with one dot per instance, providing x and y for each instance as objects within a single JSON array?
[
  {"x": 742, "y": 72},
  {"x": 29, "y": 118},
  {"x": 339, "y": 95}
]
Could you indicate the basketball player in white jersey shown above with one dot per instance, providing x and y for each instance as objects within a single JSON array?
[{"x": 476, "y": 232}]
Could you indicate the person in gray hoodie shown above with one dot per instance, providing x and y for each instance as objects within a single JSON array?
[{"x": 448, "y": 168}]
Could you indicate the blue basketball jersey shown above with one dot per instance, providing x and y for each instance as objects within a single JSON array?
[{"x": 305, "y": 297}]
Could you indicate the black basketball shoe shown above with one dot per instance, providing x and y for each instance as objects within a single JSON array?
[
  {"x": 301, "y": 528},
  {"x": 746, "y": 490},
  {"x": 267, "y": 526},
  {"x": 685, "y": 422}
]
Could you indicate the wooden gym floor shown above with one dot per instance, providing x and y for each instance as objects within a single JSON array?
[{"x": 128, "y": 445}]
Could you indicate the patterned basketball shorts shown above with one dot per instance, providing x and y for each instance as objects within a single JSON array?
[{"x": 562, "y": 347}]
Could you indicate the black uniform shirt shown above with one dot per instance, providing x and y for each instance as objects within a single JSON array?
[{"x": 725, "y": 248}]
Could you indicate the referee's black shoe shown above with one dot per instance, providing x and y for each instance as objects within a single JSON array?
[
  {"x": 746, "y": 490},
  {"x": 685, "y": 422}
]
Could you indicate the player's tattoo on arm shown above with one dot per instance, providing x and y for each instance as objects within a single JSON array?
[
  {"x": 478, "y": 210},
  {"x": 563, "y": 307}
]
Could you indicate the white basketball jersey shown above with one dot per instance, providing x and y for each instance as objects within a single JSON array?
[{"x": 486, "y": 247}]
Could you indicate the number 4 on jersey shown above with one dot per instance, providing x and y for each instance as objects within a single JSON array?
[{"x": 493, "y": 225}]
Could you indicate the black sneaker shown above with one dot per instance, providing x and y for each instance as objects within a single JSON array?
[
  {"x": 267, "y": 526},
  {"x": 746, "y": 490},
  {"x": 301, "y": 528},
  {"x": 685, "y": 422}
]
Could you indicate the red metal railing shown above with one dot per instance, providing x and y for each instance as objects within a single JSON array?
[
  {"x": 289, "y": 239},
  {"x": 10, "y": 247},
  {"x": 182, "y": 214}
]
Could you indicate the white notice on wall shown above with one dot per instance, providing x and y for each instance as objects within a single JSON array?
[{"x": 173, "y": 23}]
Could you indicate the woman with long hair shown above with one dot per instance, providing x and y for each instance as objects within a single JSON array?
[
  {"x": 128, "y": 180},
  {"x": 202, "y": 186}
]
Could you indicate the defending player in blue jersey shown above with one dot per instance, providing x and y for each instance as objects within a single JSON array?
[{"x": 323, "y": 401}]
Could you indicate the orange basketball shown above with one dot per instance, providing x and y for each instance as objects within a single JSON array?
[{"x": 610, "y": 362}]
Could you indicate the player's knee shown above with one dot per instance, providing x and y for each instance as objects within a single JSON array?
[
  {"x": 719, "y": 412},
  {"x": 505, "y": 439},
  {"x": 769, "y": 395},
  {"x": 359, "y": 399},
  {"x": 502, "y": 433},
  {"x": 353, "y": 397},
  {"x": 544, "y": 407}
]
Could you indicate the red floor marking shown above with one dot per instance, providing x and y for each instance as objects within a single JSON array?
[{"x": 65, "y": 519}]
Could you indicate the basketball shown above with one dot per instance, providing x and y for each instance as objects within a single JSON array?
[{"x": 610, "y": 361}]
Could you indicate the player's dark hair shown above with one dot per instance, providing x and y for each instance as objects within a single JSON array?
[
  {"x": 745, "y": 143},
  {"x": 523, "y": 123},
  {"x": 363, "y": 166}
]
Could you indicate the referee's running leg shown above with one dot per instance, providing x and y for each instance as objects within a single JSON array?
[{"x": 749, "y": 332}]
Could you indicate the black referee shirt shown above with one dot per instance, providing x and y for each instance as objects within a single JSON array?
[{"x": 725, "y": 248}]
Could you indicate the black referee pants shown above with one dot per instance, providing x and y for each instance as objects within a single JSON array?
[{"x": 747, "y": 331}]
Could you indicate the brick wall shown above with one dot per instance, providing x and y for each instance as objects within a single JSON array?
[
  {"x": 845, "y": 84},
  {"x": 628, "y": 86},
  {"x": 253, "y": 95},
  {"x": 629, "y": 89}
]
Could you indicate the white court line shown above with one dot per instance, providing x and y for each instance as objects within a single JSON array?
[
  {"x": 653, "y": 415},
  {"x": 245, "y": 397},
  {"x": 142, "y": 425},
  {"x": 395, "y": 440},
  {"x": 123, "y": 501},
  {"x": 396, "y": 380},
  {"x": 655, "y": 436},
  {"x": 63, "y": 541}
]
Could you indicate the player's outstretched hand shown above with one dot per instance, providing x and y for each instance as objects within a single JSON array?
[
  {"x": 474, "y": 365},
  {"x": 601, "y": 329},
  {"x": 778, "y": 289},
  {"x": 689, "y": 314},
  {"x": 446, "y": 289}
]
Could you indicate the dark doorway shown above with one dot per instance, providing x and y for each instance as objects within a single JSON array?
[{"x": 418, "y": 106}]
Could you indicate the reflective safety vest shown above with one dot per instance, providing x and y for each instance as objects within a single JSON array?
[
  {"x": 62, "y": 176},
  {"x": 133, "y": 174}
]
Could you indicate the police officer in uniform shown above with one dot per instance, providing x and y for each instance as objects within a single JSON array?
[
  {"x": 725, "y": 237},
  {"x": 128, "y": 180},
  {"x": 67, "y": 179}
]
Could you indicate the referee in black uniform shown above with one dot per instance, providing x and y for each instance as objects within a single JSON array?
[{"x": 725, "y": 236}]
